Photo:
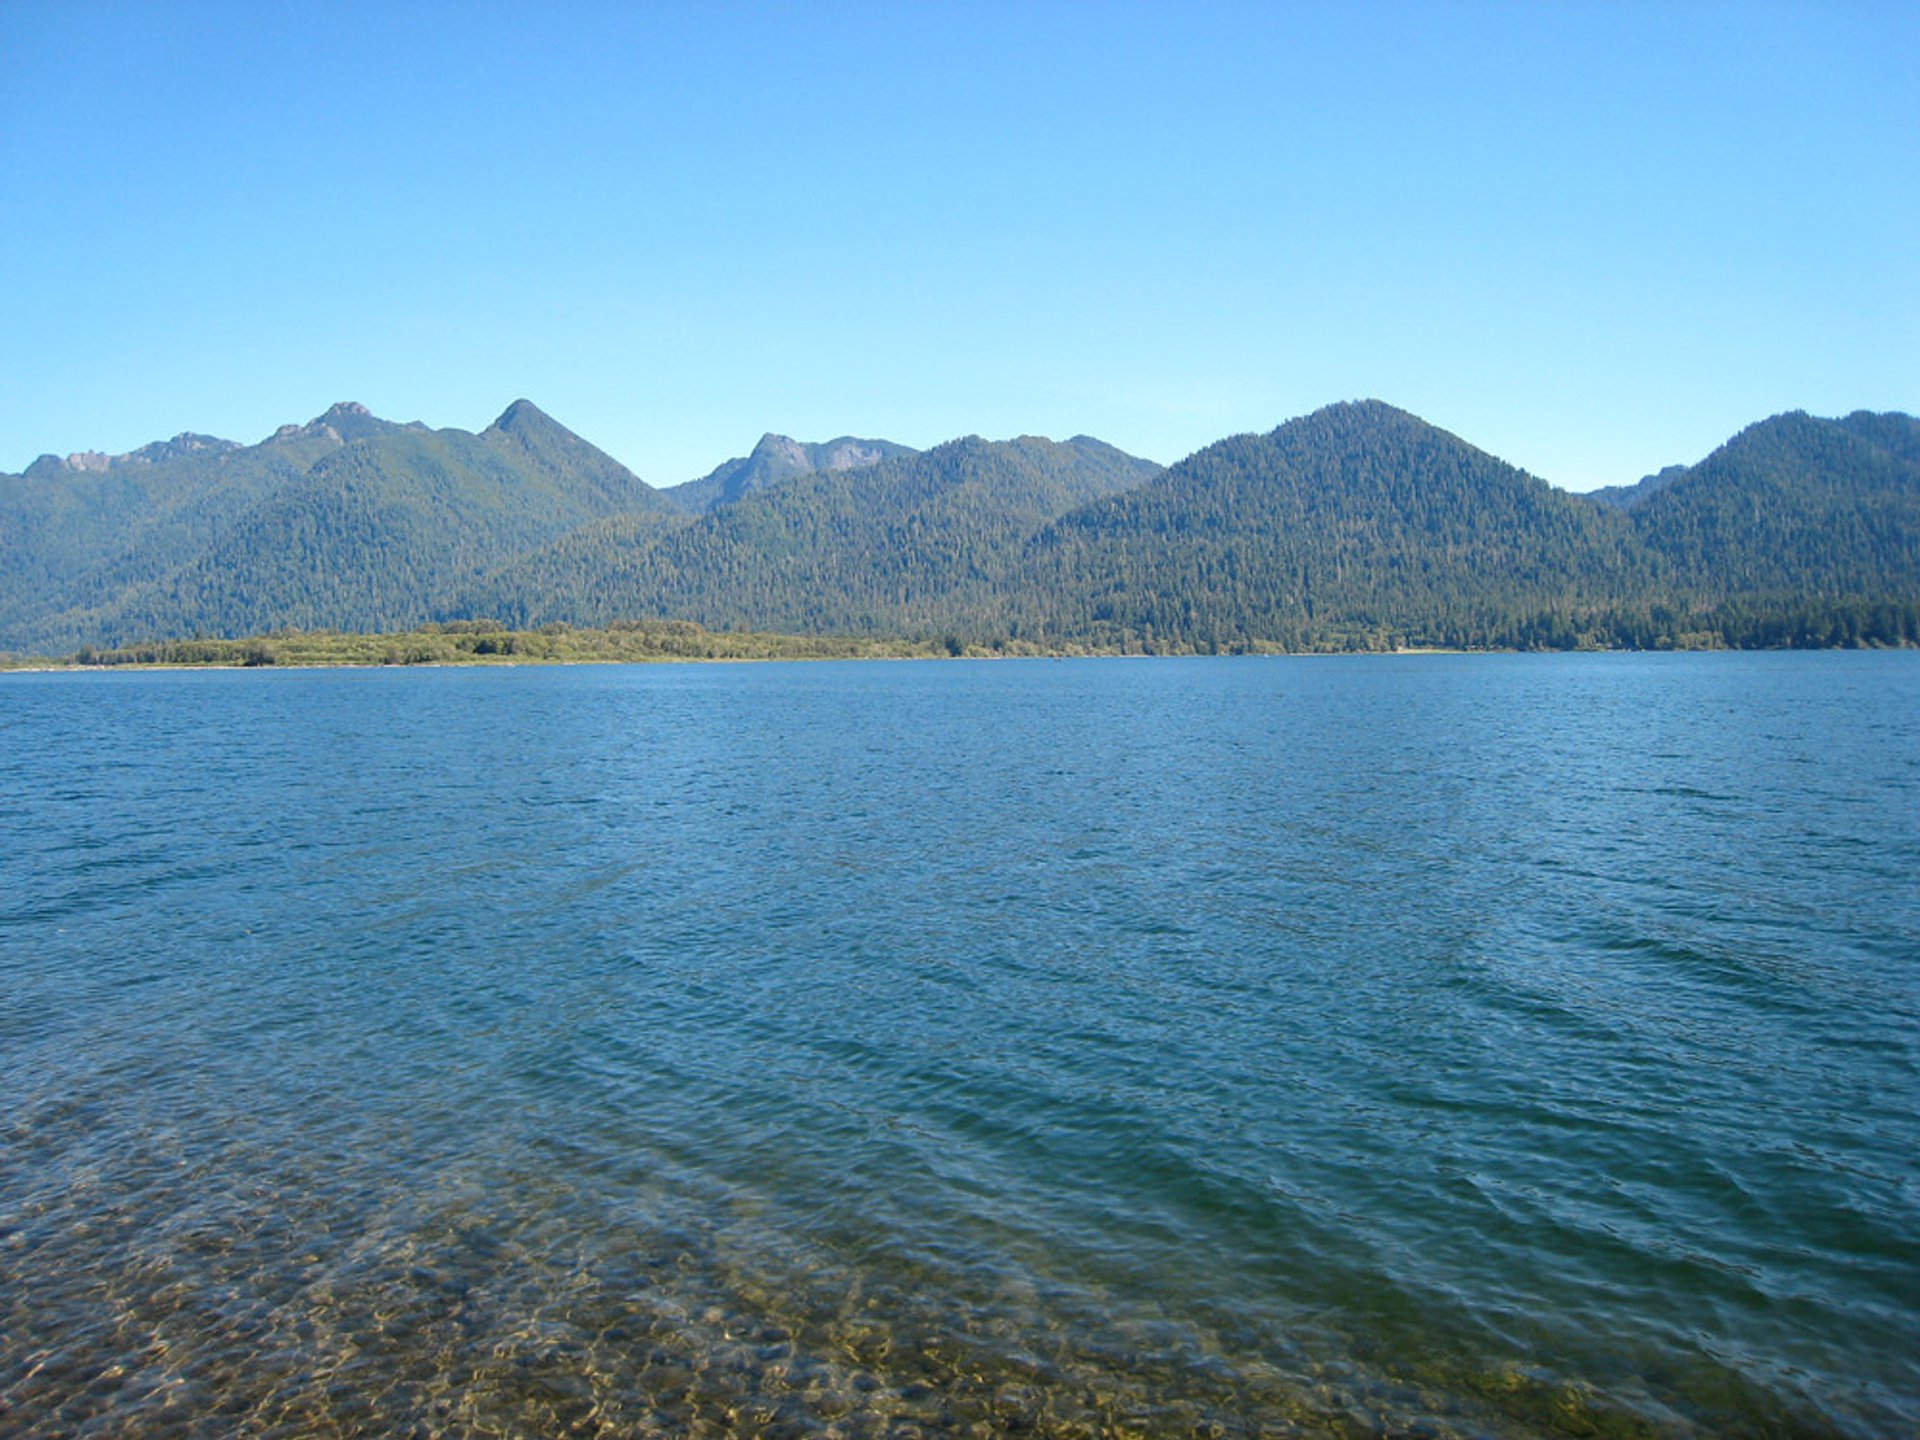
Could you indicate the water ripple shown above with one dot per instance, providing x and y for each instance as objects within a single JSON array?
[{"x": 1475, "y": 1047}]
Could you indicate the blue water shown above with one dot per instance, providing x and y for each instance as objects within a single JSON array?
[{"x": 1431, "y": 1045}]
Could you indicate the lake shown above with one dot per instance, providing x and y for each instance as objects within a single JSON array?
[{"x": 1451, "y": 1045}]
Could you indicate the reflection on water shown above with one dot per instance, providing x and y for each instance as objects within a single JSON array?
[{"x": 1458, "y": 1046}]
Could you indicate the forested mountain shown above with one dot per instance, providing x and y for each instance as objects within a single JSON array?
[
  {"x": 349, "y": 521},
  {"x": 774, "y": 459},
  {"x": 79, "y": 534},
  {"x": 1897, "y": 434},
  {"x": 1795, "y": 511},
  {"x": 1361, "y": 525},
  {"x": 1357, "y": 526},
  {"x": 912, "y": 544}
]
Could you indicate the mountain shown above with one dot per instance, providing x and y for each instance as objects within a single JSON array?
[
  {"x": 1796, "y": 508},
  {"x": 1894, "y": 432},
  {"x": 342, "y": 425},
  {"x": 349, "y": 521},
  {"x": 906, "y": 545},
  {"x": 1358, "y": 526},
  {"x": 76, "y": 535},
  {"x": 556, "y": 462},
  {"x": 181, "y": 447},
  {"x": 1358, "y": 523},
  {"x": 1361, "y": 525},
  {"x": 778, "y": 458}
]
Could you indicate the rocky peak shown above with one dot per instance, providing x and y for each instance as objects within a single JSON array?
[
  {"x": 98, "y": 462},
  {"x": 351, "y": 421},
  {"x": 344, "y": 422},
  {"x": 850, "y": 455},
  {"x": 179, "y": 447},
  {"x": 782, "y": 452}
]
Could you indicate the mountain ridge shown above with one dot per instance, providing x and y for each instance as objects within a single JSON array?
[
  {"x": 859, "y": 547},
  {"x": 1359, "y": 516},
  {"x": 1359, "y": 525},
  {"x": 345, "y": 520}
]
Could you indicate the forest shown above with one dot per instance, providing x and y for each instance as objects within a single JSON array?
[{"x": 1357, "y": 527}]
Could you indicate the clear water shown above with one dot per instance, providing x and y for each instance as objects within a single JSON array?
[{"x": 1455, "y": 1045}]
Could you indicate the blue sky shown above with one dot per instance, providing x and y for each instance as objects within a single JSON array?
[{"x": 1593, "y": 239}]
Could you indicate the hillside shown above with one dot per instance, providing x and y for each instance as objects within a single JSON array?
[
  {"x": 908, "y": 545},
  {"x": 1796, "y": 507},
  {"x": 348, "y": 521},
  {"x": 1358, "y": 526},
  {"x": 80, "y": 534}
]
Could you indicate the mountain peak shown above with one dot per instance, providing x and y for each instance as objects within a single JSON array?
[
  {"x": 521, "y": 415},
  {"x": 783, "y": 452},
  {"x": 342, "y": 424},
  {"x": 528, "y": 428},
  {"x": 1625, "y": 497},
  {"x": 788, "y": 456},
  {"x": 847, "y": 453},
  {"x": 1367, "y": 409}
]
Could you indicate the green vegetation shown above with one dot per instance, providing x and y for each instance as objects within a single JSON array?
[
  {"x": 917, "y": 545},
  {"x": 349, "y": 521},
  {"x": 490, "y": 642},
  {"x": 1359, "y": 527},
  {"x": 1363, "y": 527},
  {"x": 1795, "y": 509}
]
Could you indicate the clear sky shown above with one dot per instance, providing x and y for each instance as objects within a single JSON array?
[{"x": 1593, "y": 239}]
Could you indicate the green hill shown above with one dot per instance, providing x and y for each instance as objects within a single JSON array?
[
  {"x": 349, "y": 521},
  {"x": 1796, "y": 507},
  {"x": 78, "y": 535},
  {"x": 1798, "y": 531},
  {"x": 1359, "y": 525},
  {"x": 909, "y": 545}
]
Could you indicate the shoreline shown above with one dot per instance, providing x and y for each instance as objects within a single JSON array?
[
  {"x": 479, "y": 643},
  {"x": 490, "y": 662}
]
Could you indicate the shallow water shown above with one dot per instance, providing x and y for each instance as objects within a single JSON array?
[{"x": 1441, "y": 1045}]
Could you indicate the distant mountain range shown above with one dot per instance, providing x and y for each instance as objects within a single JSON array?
[
  {"x": 1626, "y": 496},
  {"x": 1358, "y": 526}
]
